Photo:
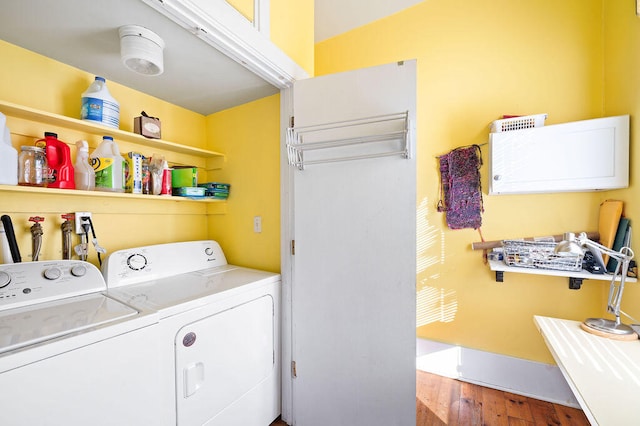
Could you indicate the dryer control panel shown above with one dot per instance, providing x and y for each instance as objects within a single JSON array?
[
  {"x": 34, "y": 282},
  {"x": 142, "y": 264}
]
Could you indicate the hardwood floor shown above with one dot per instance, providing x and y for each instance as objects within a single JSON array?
[{"x": 442, "y": 401}]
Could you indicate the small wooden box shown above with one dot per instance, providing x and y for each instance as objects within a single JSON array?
[{"x": 148, "y": 127}]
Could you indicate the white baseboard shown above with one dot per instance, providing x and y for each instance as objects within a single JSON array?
[{"x": 519, "y": 376}]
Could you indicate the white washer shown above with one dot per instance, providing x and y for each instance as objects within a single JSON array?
[
  {"x": 219, "y": 330},
  {"x": 71, "y": 355}
]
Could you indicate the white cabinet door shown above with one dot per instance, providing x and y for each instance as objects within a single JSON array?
[
  {"x": 354, "y": 268},
  {"x": 584, "y": 155}
]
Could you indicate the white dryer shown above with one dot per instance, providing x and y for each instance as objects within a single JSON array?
[
  {"x": 219, "y": 330},
  {"x": 70, "y": 355}
]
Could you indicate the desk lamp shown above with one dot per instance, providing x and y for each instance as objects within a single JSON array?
[{"x": 603, "y": 327}]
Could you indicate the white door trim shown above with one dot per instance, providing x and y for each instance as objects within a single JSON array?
[
  {"x": 219, "y": 24},
  {"x": 286, "y": 233}
]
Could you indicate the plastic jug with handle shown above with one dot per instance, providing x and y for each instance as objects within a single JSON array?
[
  {"x": 61, "y": 174},
  {"x": 85, "y": 175},
  {"x": 108, "y": 165},
  {"x": 8, "y": 155}
]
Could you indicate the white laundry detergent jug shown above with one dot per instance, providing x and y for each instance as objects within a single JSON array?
[
  {"x": 98, "y": 105},
  {"x": 8, "y": 155},
  {"x": 108, "y": 166}
]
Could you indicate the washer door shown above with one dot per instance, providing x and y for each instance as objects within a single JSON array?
[{"x": 222, "y": 360}]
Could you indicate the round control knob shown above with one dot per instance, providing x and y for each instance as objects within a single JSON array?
[
  {"x": 5, "y": 279},
  {"x": 78, "y": 270},
  {"x": 208, "y": 251},
  {"x": 52, "y": 273},
  {"x": 497, "y": 177},
  {"x": 137, "y": 261}
]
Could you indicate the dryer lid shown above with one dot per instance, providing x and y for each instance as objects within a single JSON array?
[{"x": 180, "y": 293}]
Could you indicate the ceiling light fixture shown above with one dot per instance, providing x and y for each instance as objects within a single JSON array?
[{"x": 141, "y": 50}]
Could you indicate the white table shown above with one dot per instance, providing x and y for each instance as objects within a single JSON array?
[{"x": 604, "y": 374}]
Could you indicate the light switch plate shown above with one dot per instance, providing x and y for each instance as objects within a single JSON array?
[{"x": 638, "y": 7}]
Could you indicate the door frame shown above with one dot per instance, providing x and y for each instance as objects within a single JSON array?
[
  {"x": 221, "y": 26},
  {"x": 286, "y": 261}
]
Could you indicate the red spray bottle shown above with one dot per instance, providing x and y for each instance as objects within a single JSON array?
[{"x": 58, "y": 155}]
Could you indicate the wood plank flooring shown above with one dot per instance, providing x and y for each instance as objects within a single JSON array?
[{"x": 442, "y": 401}]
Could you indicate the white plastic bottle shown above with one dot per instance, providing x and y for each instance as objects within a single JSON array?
[
  {"x": 85, "y": 176},
  {"x": 8, "y": 155},
  {"x": 98, "y": 105},
  {"x": 108, "y": 166}
]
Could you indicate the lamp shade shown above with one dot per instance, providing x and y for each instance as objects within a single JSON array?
[
  {"x": 569, "y": 245},
  {"x": 141, "y": 50}
]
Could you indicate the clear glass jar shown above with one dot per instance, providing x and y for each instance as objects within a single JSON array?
[{"x": 32, "y": 166}]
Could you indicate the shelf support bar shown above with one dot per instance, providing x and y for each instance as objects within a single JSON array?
[{"x": 575, "y": 283}]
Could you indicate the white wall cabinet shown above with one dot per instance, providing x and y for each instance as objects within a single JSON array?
[{"x": 586, "y": 155}]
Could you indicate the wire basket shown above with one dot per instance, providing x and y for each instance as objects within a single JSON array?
[
  {"x": 539, "y": 254},
  {"x": 518, "y": 123}
]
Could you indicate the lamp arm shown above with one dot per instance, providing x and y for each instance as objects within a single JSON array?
[
  {"x": 625, "y": 253},
  {"x": 624, "y": 257}
]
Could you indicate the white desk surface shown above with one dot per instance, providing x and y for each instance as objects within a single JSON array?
[{"x": 604, "y": 374}]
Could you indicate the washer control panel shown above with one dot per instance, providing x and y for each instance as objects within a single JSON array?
[{"x": 34, "y": 282}]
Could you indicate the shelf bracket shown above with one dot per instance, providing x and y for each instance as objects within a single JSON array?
[
  {"x": 575, "y": 283},
  {"x": 499, "y": 276}
]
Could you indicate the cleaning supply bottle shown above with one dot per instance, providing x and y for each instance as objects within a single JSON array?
[
  {"x": 85, "y": 175},
  {"x": 108, "y": 166},
  {"x": 61, "y": 173},
  {"x": 8, "y": 155},
  {"x": 98, "y": 105}
]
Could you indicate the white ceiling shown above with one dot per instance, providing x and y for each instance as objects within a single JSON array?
[
  {"x": 333, "y": 17},
  {"x": 84, "y": 34}
]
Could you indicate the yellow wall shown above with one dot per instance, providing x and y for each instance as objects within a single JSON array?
[
  {"x": 292, "y": 30},
  {"x": 291, "y": 27},
  {"x": 622, "y": 96},
  {"x": 32, "y": 80},
  {"x": 477, "y": 61},
  {"x": 250, "y": 137},
  {"x": 245, "y": 7}
]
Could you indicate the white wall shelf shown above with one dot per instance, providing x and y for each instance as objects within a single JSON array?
[
  {"x": 43, "y": 117},
  {"x": 214, "y": 206},
  {"x": 575, "y": 277}
]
